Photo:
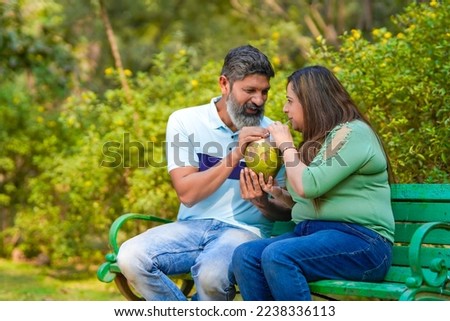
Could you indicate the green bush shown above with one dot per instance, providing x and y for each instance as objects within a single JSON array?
[{"x": 401, "y": 81}]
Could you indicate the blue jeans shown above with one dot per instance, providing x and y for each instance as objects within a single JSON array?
[
  {"x": 280, "y": 268},
  {"x": 201, "y": 247}
]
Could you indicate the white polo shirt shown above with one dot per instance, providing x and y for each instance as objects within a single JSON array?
[{"x": 196, "y": 136}]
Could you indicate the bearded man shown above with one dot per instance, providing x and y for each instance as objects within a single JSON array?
[{"x": 205, "y": 146}]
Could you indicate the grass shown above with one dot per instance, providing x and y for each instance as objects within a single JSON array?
[{"x": 26, "y": 282}]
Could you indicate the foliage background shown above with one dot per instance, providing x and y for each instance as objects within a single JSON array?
[{"x": 78, "y": 149}]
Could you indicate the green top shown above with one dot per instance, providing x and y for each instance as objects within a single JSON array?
[{"x": 349, "y": 177}]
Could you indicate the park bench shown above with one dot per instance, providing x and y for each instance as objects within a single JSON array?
[{"x": 421, "y": 257}]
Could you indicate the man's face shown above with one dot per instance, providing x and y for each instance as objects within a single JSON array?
[{"x": 246, "y": 100}]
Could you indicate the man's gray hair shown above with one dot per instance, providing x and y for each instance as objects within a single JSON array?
[{"x": 246, "y": 60}]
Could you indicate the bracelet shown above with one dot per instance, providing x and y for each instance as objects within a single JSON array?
[{"x": 286, "y": 148}]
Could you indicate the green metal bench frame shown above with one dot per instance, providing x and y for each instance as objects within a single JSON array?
[{"x": 421, "y": 257}]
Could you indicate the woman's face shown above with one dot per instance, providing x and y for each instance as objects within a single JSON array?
[{"x": 293, "y": 109}]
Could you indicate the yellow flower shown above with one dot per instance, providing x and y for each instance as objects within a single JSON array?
[
  {"x": 194, "y": 83},
  {"x": 109, "y": 71},
  {"x": 376, "y": 32},
  {"x": 88, "y": 96},
  {"x": 182, "y": 52},
  {"x": 400, "y": 36},
  {"x": 356, "y": 34},
  {"x": 39, "y": 119},
  {"x": 336, "y": 69},
  {"x": 128, "y": 72},
  {"x": 411, "y": 28},
  {"x": 119, "y": 122},
  {"x": 276, "y": 61},
  {"x": 387, "y": 35},
  {"x": 275, "y": 35},
  {"x": 434, "y": 3}
]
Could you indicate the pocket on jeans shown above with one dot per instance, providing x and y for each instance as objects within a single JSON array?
[{"x": 379, "y": 272}]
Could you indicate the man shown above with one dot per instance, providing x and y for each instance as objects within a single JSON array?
[{"x": 205, "y": 147}]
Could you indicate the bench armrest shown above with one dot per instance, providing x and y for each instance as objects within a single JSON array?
[
  {"x": 118, "y": 223},
  {"x": 437, "y": 265},
  {"x": 105, "y": 272}
]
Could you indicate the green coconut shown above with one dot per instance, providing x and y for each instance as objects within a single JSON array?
[{"x": 262, "y": 157}]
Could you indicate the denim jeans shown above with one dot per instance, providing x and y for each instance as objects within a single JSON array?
[
  {"x": 201, "y": 247},
  {"x": 280, "y": 268}
]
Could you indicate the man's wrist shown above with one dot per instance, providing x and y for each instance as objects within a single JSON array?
[{"x": 233, "y": 158}]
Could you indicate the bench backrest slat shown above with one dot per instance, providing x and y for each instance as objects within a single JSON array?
[
  {"x": 401, "y": 255},
  {"x": 401, "y": 273},
  {"x": 422, "y": 192},
  {"x": 404, "y": 232},
  {"x": 421, "y": 211}
]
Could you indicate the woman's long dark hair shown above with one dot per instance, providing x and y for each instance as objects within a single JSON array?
[{"x": 326, "y": 104}]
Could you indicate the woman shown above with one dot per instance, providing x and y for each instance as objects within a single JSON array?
[{"x": 338, "y": 194}]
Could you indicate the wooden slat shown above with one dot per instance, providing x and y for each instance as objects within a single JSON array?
[
  {"x": 404, "y": 232},
  {"x": 421, "y": 212},
  {"x": 386, "y": 291},
  {"x": 398, "y": 274},
  {"x": 401, "y": 255},
  {"x": 424, "y": 192},
  {"x": 390, "y": 289}
]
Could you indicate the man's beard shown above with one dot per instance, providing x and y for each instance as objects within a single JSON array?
[{"x": 238, "y": 114}]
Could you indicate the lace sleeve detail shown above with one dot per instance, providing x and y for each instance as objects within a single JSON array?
[{"x": 334, "y": 142}]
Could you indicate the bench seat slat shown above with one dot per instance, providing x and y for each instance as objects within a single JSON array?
[{"x": 386, "y": 291}]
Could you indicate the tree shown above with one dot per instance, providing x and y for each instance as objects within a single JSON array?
[{"x": 114, "y": 48}]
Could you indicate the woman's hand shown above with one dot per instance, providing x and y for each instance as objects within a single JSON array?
[
  {"x": 279, "y": 194},
  {"x": 281, "y": 135},
  {"x": 270, "y": 187},
  {"x": 256, "y": 190}
]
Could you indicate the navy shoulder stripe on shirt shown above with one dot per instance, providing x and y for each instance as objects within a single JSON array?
[{"x": 208, "y": 161}]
